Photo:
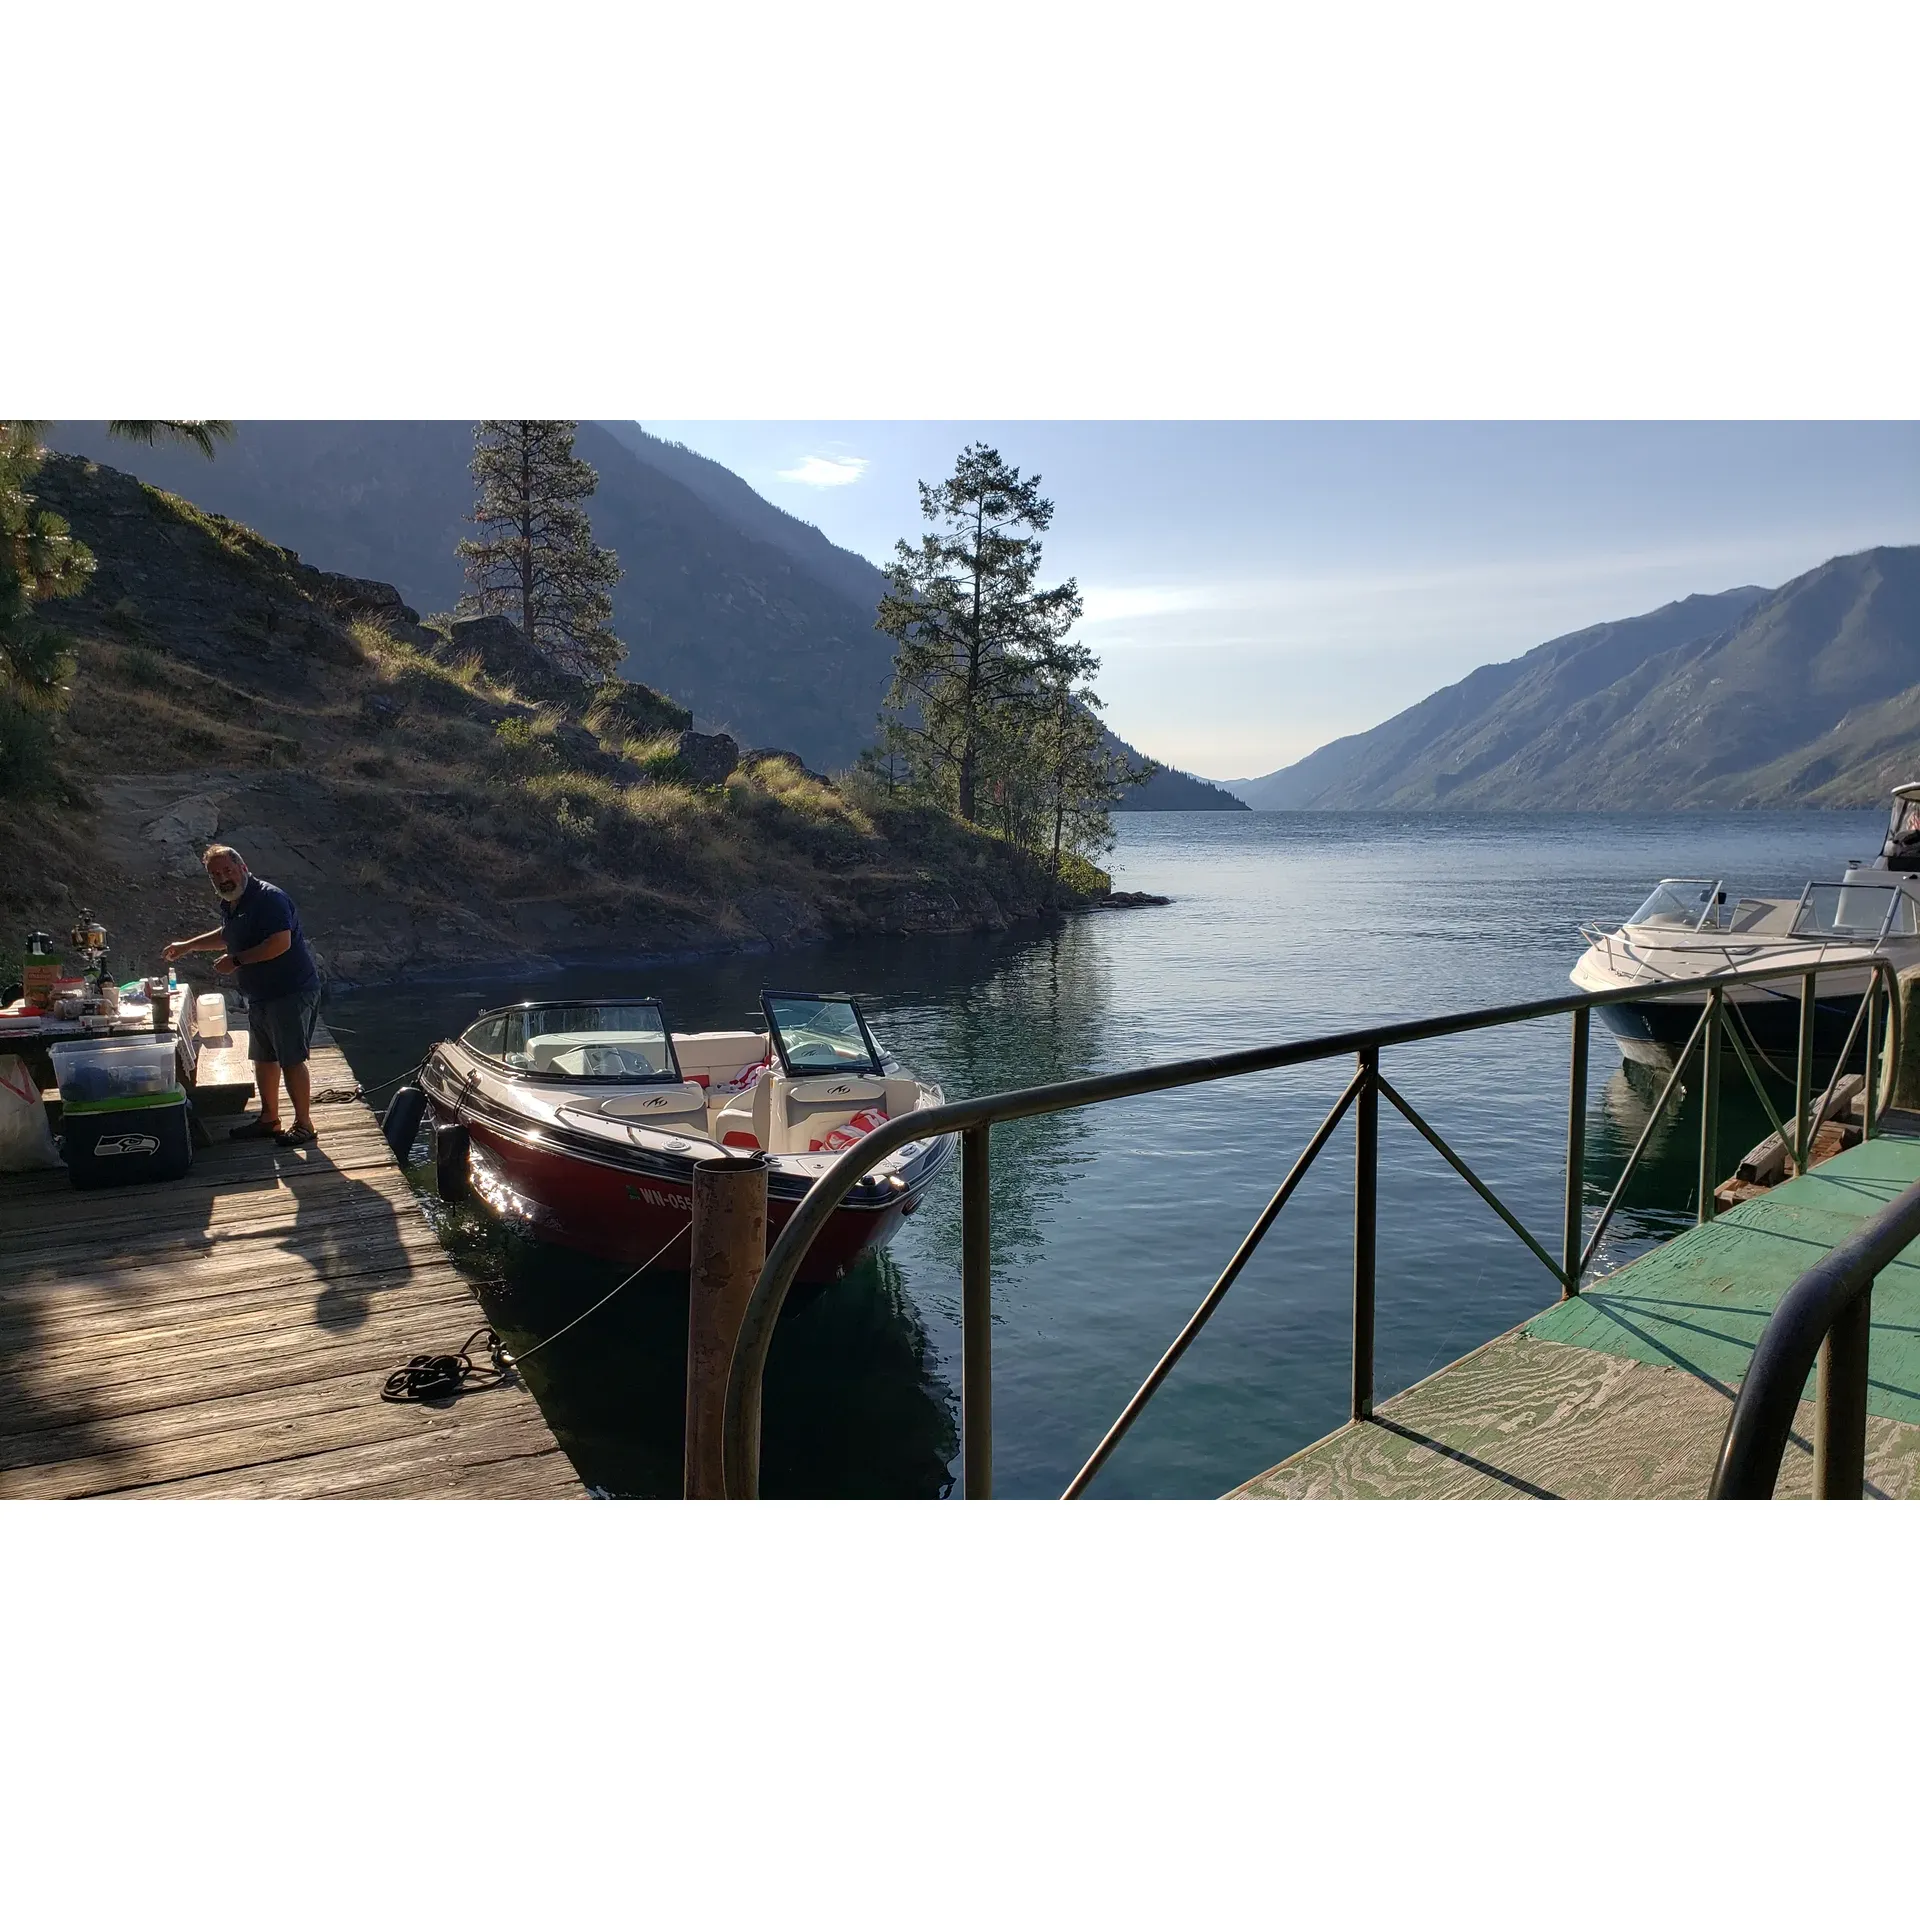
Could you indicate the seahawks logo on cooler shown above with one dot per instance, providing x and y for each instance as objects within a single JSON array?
[{"x": 125, "y": 1143}]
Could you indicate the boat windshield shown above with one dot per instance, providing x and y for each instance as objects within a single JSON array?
[
  {"x": 1901, "y": 849},
  {"x": 1681, "y": 904},
  {"x": 1828, "y": 909},
  {"x": 815, "y": 1034},
  {"x": 623, "y": 1041}
]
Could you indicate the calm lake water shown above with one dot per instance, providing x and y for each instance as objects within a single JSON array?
[{"x": 1110, "y": 1224}]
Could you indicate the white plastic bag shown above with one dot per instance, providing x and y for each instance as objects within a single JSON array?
[{"x": 26, "y": 1141}]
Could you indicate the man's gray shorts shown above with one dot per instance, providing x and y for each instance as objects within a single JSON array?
[{"x": 283, "y": 1028}]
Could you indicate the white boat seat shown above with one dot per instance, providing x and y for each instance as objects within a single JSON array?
[
  {"x": 716, "y": 1058},
  {"x": 810, "y": 1109},
  {"x": 744, "y": 1120},
  {"x": 903, "y": 1094},
  {"x": 657, "y": 1106}
]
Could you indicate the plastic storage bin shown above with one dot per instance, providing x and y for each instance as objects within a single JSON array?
[
  {"x": 113, "y": 1067},
  {"x": 115, "y": 1142}
]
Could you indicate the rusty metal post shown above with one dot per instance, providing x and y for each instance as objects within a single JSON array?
[
  {"x": 1840, "y": 1406},
  {"x": 729, "y": 1245}
]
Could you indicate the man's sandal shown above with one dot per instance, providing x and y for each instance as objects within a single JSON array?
[
  {"x": 296, "y": 1136},
  {"x": 255, "y": 1129}
]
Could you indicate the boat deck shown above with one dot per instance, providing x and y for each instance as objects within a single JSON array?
[
  {"x": 227, "y": 1334},
  {"x": 1624, "y": 1392}
]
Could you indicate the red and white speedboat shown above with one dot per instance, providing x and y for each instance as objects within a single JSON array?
[{"x": 586, "y": 1119}]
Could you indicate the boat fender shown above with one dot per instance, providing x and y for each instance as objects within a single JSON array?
[
  {"x": 452, "y": 1167},
  {"x": 401, "y": 1121}
]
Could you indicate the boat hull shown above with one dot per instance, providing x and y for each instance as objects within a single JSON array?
[
  {"x": 1652, "y": 1033},
  {"x": 632, "y": 1209}
]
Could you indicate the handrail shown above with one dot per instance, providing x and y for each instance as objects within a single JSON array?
[
  {"x": 974, "y": 1118},
  {"x": 1826, "y": 1315}
]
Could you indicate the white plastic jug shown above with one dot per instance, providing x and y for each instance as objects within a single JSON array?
[{"x": 210, "y": 1016}]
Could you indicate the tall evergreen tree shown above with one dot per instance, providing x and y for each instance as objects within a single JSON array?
[
  {"x": 39, "y": 560},
  {"x": 535, "y": 560},
  {"x": 972, "y": 630}
]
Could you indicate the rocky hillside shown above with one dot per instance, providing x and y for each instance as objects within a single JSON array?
[
  {"x": 1808, "y": 695},
  {"x": 748, "y": 616},
  {"x": 432, "y": 796}
]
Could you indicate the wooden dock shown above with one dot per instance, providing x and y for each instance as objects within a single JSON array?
[
  {"x": 227, "y": 1335},
  {"x": 1623, "y": 1393}
]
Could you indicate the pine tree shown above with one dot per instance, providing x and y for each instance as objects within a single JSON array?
[
  {"x": 535, "y": 560},
  {"x": 1079, "y": 776},
  {"x": 203, "y": 434},
  {"x": 972, "y": 630},
  {"x": 39, "y": 560}
]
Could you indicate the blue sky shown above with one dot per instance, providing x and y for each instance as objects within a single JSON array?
[{"x": 1255, "y": 589}]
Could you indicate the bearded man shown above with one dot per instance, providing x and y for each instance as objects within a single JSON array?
[{"x": 269, "y": 961}]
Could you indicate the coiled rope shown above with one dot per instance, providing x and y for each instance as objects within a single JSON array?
[
  {"x": 439, "y": 1376},
  {"x": 339, "y": 1096},
  {"x": 442, "y": 1376}
]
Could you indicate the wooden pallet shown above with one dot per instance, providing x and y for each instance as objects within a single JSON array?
[{"x": 226, "y": 1335}]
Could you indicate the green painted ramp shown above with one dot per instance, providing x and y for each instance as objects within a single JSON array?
[{"x": 1700, "y": 1302}]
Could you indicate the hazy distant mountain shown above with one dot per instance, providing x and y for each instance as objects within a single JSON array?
[
  {"x": 849, "y": 574},
  {"x": 1808, "y": 695},
  {"x": 749, "y": 616},
  {"x": 1170, "y": 790}
]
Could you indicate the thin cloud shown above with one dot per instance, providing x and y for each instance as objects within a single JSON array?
[{"x": 825, "y": 470}]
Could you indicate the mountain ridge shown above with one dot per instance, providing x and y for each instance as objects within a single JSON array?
[
  {"x": 1806, "y": 694},
  {"x": 736, "y": 608}
]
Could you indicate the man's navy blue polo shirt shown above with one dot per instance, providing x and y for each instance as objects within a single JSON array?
[{"x": 261, "y": 911}]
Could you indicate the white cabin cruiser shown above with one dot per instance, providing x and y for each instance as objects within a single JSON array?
[{"x": 1689, "y": 928}]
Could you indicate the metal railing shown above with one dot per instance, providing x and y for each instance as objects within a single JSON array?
[
  {"x": 1826, "y": 1314},
  {"x": 973, "y": 1120}
]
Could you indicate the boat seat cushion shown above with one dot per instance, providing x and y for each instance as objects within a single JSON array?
[
  {"x": 903, "y": 1094},
  {"x": 814, "y": 1107},
  {"x": 716, "y": 1058},
  {"x": 657, "y": 1105},
  {"x": 745, "y": 1119}
]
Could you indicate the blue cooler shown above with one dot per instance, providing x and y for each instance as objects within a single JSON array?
[{"x": 139, "y": 1136}]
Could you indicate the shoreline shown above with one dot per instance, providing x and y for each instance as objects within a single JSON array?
[{"x": 548, "y": 962}]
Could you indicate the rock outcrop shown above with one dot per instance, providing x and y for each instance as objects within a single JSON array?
[{"x": 707, "y": 757}]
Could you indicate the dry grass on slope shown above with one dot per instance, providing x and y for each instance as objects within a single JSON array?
[{"x": 443, "y": 789}]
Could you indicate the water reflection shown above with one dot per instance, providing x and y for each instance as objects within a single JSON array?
[
  {"x": 854, "y": 1406},
  {"x": 1040, "y": 1015},
  {"x": 1663, "y": 1194},
  {"x": 1109, "y": 1224}
]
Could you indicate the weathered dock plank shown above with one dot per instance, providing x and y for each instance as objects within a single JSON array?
[
  {"x": 227, "y": 1335},
  {"x": 1623, "y": 1393}
]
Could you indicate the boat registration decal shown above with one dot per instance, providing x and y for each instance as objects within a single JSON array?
[{"x": 654, "y": 1198}]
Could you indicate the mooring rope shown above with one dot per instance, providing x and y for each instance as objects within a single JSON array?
[
  {"x": 437, "y": 1376},
  {"x": 339, "y": 1096}
]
